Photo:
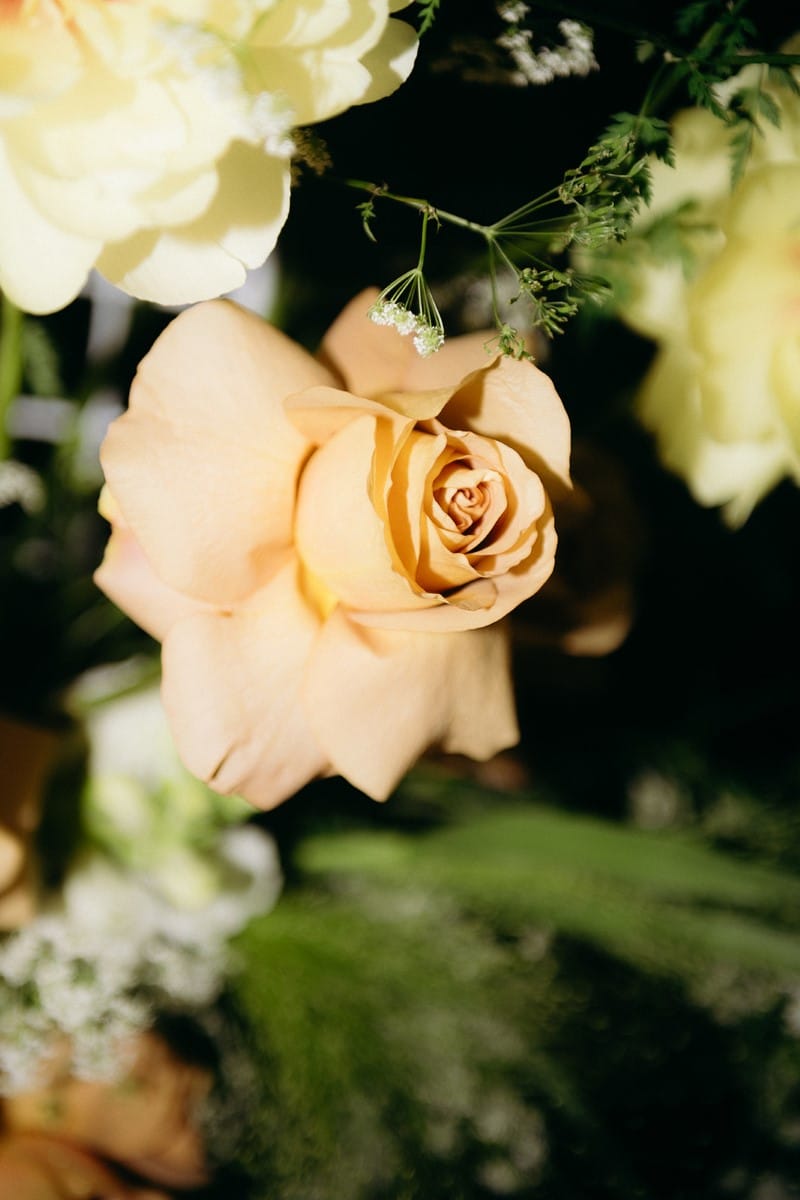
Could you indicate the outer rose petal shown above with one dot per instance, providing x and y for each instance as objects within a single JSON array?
[
  {"x": 207, "y": 440},
  {"x": 127, "y": 578},
  {"x": 231, "y": 689},
  {"x": 404, "y": 693}
]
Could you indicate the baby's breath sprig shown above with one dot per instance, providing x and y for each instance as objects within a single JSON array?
[
  {"x": 594, "y": 204},
  {"x": 407, "y": 304}
]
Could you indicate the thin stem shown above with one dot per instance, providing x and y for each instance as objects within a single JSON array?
[
  {"x": 423, "y": 206},
  {"x": 423, "y": 240},
  {"x": 11, "y": 324}
]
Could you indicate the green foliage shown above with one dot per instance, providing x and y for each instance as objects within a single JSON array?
[
  {"x": 665, "y": 902},
  {"x": 367, "y": 212},
  {"x": 387, "y": 1022},
  {"x": 427, "y": 10},
  {"x": 40, "y": 360},
  {"x": 748, "y": 104}
]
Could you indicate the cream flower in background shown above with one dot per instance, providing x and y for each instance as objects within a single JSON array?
[
  {"x": 326, "y": 546},
  {"x": 152, "y": 139},
  {"x": 723, "y": 393}
]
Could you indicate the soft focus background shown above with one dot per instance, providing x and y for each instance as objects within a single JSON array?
[{"x": 572, "y": 973}]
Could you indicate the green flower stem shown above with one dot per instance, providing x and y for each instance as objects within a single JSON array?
[
  {"x": 505, "y": 227},
  {"x": 423, "y": 206},
  {"x": 11, "y": 324}
]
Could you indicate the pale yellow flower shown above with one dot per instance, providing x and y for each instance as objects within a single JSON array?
[
  {"x": 723, "y": 394},
  {"x": 151, "y": 138},
  {"x": 326, "y": 547}
]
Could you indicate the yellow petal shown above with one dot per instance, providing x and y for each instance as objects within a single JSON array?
[
  {"x": 209, "y": 255},
  {"x": 232, "y": 692},
  {"x": 377, "y": 700},
  {"x": 734, "y": 473},
  {"x": 390, "y": 63},
  {"x": 204, "y": 465},
  {"x": 42, "y": 267}
]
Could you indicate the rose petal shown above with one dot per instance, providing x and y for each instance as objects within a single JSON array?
[
  {"x": 404, "y": 693},
  {"x": 480, "y": 603},
  {"x": 338, "y": 533},
  {"x": 127, "y": 578},
  {"x": 231, "y": 689},
  {"x": 320, "y": 412},
  {"x": 207, "y": 442},
  {"x": 516, "y": 403}
]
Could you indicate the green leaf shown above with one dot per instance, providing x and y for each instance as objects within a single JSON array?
[{"x": 428, "y": 11}]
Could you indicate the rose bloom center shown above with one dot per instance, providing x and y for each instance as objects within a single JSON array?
[{"x": 464, "y": 495}]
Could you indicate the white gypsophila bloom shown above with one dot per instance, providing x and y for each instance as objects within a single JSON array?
[
  {"x": 152, "y": 140},
  {"x": 575, "y": 57},
  {"x": 391, "y": 313},
  {"x": 427, "y": 337},
  {"x": 20, "y": 484},
  {"x": 95, "y": 968},
  {"x": 513, "y": 11}
]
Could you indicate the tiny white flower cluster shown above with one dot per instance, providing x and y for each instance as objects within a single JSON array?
[
  {"x": 96, "y": 968},
  {"x": 427, "y": 338},
  {"x": 575, "y": 57},
  {"x": 21, "y": 485}
]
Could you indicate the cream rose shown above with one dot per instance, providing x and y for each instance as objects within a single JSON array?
[
  {"x": 723, "y": 393},
  {"x": 151, "y": 139},
  {"x": 325, "y": 546}
]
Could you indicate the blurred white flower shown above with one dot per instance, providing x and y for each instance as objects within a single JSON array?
[
  {"x": 723, "y": 393},
  {"x": 152, "y": 140}
]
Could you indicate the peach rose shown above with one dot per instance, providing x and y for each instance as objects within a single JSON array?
[{"x": 325, "y": 546}]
